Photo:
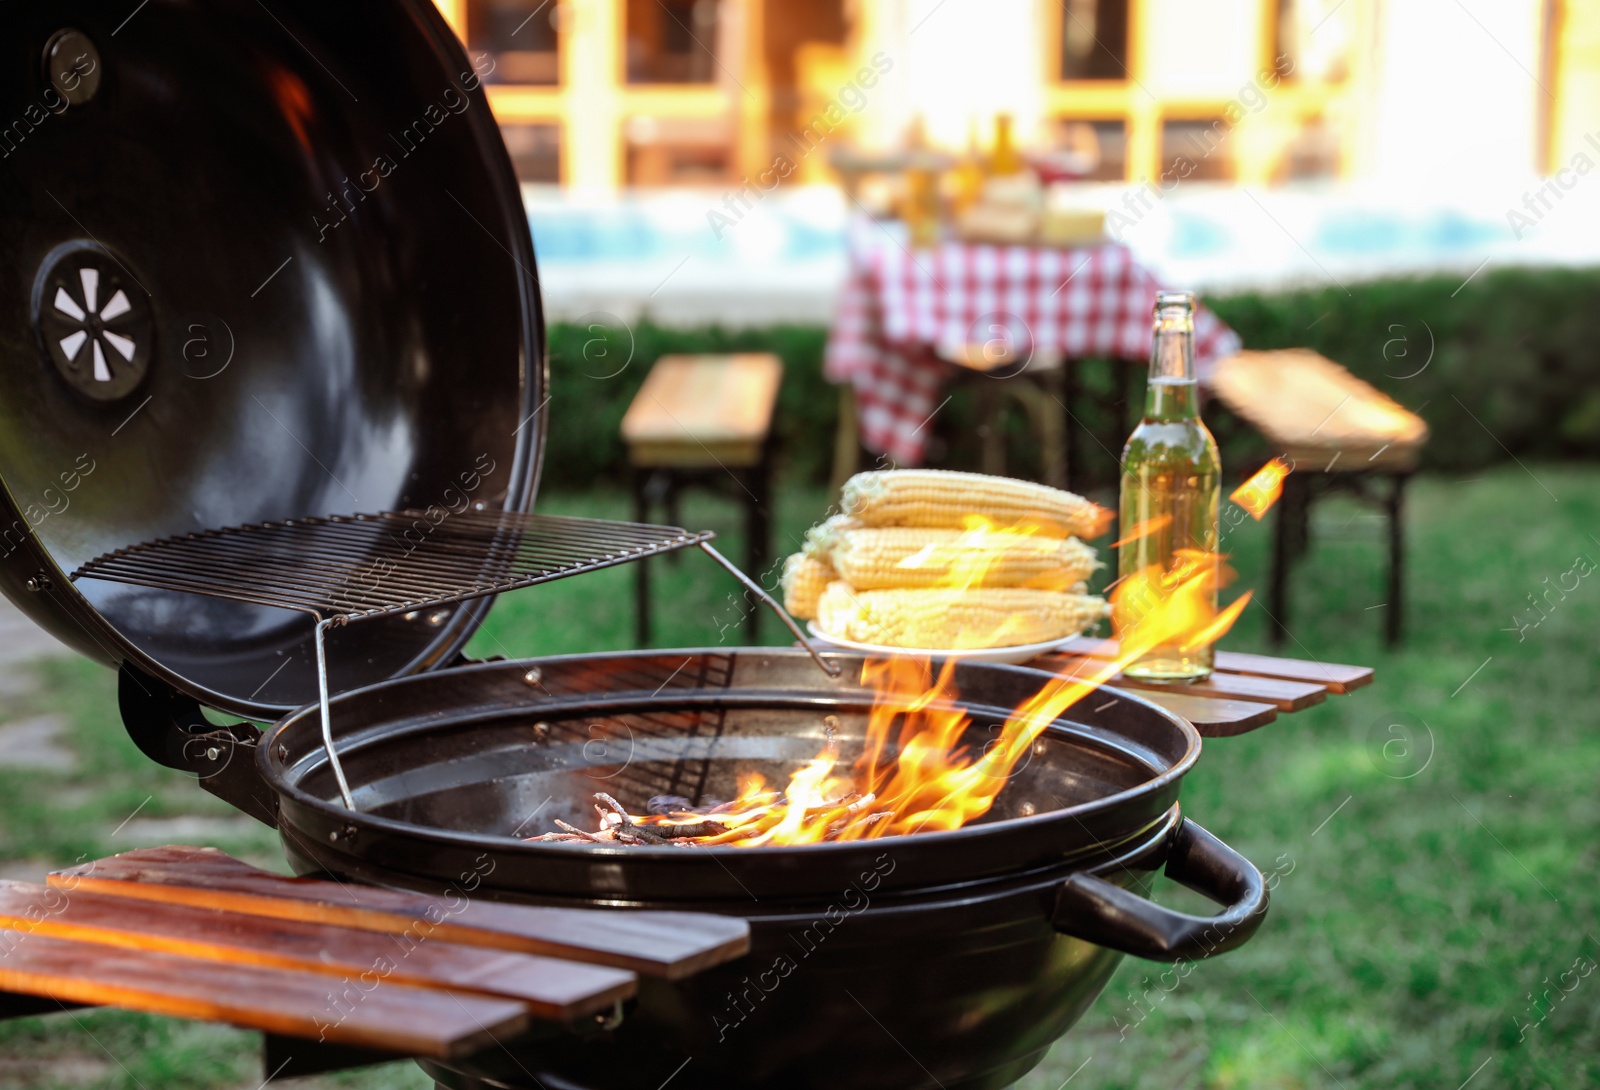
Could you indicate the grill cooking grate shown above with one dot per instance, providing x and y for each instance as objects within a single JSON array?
[
  {"x": 350, "y": 568},
  {"x": 360, "y": 566}
]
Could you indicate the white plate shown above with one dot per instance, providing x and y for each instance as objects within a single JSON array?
[{"x": 1014, "y": 655}]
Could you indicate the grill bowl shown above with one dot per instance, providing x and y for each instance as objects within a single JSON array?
[
  {"x": 476, "y": 757},
  {"x": 950, "y": 943}
]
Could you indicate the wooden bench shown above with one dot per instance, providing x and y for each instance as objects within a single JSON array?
[
  {"x": 1337, "y": 433},
  {"x": 704, "y": 420}
]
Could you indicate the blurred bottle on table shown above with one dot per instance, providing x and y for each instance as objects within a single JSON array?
[
  {"x": 1006, "y": 160},
  {"x": 966, "y": 182},
  {"x": 1171, "y": 490},
  {"x": 920, "y": 208}
]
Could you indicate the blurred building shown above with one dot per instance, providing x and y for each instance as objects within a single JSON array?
[{"x": 602, "y": 94}]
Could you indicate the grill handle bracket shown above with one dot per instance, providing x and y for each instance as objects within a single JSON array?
[
  {"x": 1088, "y": 907},
  {"x": 170, "y": 729}
]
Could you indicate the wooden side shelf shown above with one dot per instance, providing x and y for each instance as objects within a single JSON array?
[
  {"x": 1244, "y": 692},
  {"x": 375, "y": 973}
]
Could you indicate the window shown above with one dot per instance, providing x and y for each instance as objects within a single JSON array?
[
  {"x": 1197, "y": 151},
  {"x": 1313, "y": 154},
  {"x": 672, "y": 41},
  {"x": 521, "y": 35},
  {"x": 1101, "y": 145},
  {"x": 1094, "y": 39},
  {"x": 535, "y": 151},
  {"x": 1314, "y": 37},
  {"x": 662, "y": 151}
]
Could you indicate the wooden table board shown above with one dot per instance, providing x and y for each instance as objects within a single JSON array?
[
  {"x": 672, "y": 945},
  {"x": 551, "y": 988},
  {"x": 1214, "y": 717},
  {"x": 381, "y": 1015}
]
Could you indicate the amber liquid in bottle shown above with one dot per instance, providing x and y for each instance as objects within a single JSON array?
[{"x": 1171, "y": 489}]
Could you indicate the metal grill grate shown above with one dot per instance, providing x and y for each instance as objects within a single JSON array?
[
  {"x": 350, "y": 568},
  {"x": 360, "y": 566}
]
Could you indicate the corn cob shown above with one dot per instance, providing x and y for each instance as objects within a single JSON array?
[
  {"x": 955, "y": 619},
  {"x": 907, "y": 556},
  {"x": 804, "y": 578},
  {"x": 943, "y": 499},
  {"x": 821, "y": 538}
]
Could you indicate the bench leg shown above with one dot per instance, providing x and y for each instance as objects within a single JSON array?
[
  {"x": 1045, "y": 420},
  {"x": 758, "y": 535},
  {"x": 1396, "y": 597},
  {"x": 846, "y": 441},
  {"x": 1285, "y": 521}
]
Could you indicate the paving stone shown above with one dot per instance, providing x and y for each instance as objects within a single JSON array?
[
  {"x": 38, "y": 742},
  {"x": 187, "y": 829},
  {"x": 21, "y": 640}
]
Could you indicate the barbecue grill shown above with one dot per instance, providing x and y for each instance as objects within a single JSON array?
[{"x": 272, "y": 411}]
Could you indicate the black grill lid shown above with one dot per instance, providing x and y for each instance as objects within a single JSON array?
[{"x": 293, "y": 244}]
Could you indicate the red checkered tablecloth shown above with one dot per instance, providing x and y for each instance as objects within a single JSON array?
[{"x": 898, "y": 305}]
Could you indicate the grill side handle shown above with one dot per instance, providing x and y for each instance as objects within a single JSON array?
[
  {"x": 169, "y": 728},
  {"x": 1094, "y": 909}
]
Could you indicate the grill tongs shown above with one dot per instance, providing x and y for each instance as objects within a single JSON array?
[{"x": 351, "y": 568}]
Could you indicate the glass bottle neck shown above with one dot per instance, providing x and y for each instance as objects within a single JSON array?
[{"x": 1172, "y": 393}]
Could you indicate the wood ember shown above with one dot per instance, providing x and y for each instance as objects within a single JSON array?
[
  {"x": 617, "y": 826},
  {"x": 690, "y": 829},
  {"x": 615, "y": 815},
  {"x": 575, "y": 831}
]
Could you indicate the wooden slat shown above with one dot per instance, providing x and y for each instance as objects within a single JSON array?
[
  {"x": 551, "y": 988},
  {"x": 1335, "y": 677},
  {"x": 664, "y": 944},
  {"x": 1215, "y": 718},
  {"x": 1286, "y": 696},
  {"x": 389, "y": 1016}
]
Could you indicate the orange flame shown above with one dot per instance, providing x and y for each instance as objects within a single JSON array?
[
  {"x": 1143, "y": 528},
  {"x": 917, "y": 768},
  {"x": 1261, "y": 491}
]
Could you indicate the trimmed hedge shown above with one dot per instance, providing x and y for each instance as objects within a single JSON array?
[{"x": 1519, "y": 349}]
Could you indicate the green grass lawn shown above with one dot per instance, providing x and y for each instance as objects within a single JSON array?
[{"x": 1435, "y": 834}]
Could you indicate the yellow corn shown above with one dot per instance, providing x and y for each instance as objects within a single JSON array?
[
  {"x": 945, "y": 499},
  {"x": 955, "y": 619},
  {"x": 821, "y": 538},
  {"x": 907, "y": 556},
  {"x": 804, "y": 578}
]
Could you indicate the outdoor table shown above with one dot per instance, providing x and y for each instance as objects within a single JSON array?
[{"x": 900, "y": 305}]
